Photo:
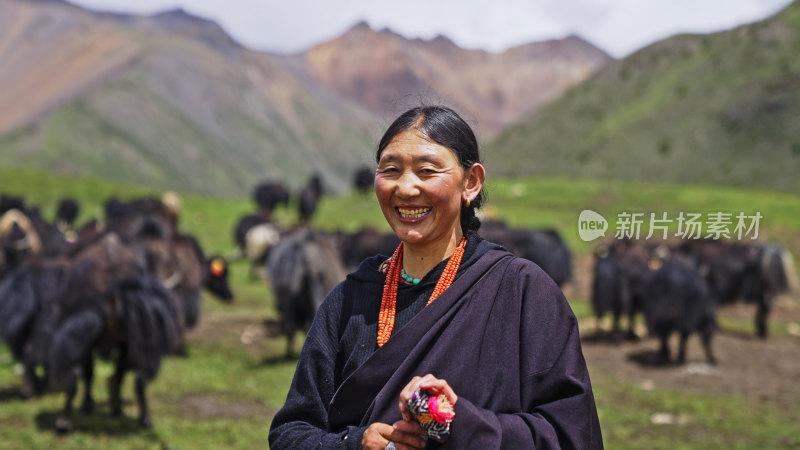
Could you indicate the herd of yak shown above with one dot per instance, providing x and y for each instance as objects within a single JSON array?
[
  {"x": 126, "y": 287},
  {"x": 678, "y": 286},
  {"x": 304, "y": 264}
]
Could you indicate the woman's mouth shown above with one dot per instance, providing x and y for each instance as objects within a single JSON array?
[{"x": 413, "y": 213}]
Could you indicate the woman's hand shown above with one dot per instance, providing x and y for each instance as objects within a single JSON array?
[
  {"x": 430, "y": 383},
  {"x": 405, "y": 435}
]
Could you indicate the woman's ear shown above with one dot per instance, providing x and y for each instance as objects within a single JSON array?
[{"x": 473, "y": 181}]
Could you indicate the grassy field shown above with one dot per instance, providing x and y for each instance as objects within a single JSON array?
[{"x": 224, "y": 393}]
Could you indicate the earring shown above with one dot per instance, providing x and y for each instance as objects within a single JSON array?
[{"x": 466, "y": 203}]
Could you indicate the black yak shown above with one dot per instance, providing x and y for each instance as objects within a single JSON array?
[
  {"x": 9, "y": 202},
  {"x": 149, "y": 226},
  {"x": 754, "y": 273},
  {"x": 606, "y": 288},
  {"x": 544, "y": 247},
  {"x": 678, "y": 300},
  {"x": 17, "y": 245},
  {"x": 364, "y": 243},
  {"x": 621, "y": 273},
  {"x": 67, "y": 211},
  {"x": 183, "y": 268},
  {"x": 254, "y": 235},
  {"x": 24, "y": 293},
  {"x": 144, "y": 217},
  {"x": 269, "y": 195},
  {"x": 108, "y": 303},
  {"x": 308, "y": 198},
  {"x": 19, "y": 237},
  {"x": 363, "y": 179},
  {"x": 303, "y": 267},
  {"x": 24, "y": 235}
]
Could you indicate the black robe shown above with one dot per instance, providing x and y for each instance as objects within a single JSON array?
[{"x": 503, "y": 337}]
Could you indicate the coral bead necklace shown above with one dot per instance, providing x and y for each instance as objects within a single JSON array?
[{"x": 389, "y": 298}]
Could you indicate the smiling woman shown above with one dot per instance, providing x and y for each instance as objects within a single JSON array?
[
  {"x": 421, "y": 186},
  {"x": 485, "y": 337}
]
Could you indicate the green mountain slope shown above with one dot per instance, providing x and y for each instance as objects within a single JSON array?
[{"x": 721, "y": 108}]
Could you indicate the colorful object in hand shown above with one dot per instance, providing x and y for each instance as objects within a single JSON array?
[{"x": 434, "y": 413}]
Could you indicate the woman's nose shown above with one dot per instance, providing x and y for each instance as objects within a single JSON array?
[{"x": 408, "y": 185}]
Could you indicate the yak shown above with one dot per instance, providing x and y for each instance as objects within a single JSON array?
[
  {"x": 148, "y": 225},
  {"x": 24, "y": 236},
  {"x": 363, "y": 179},
  {"x": 754, "y": 273},
  {"x": 109, "y": 303},
  {"x": 184, "y": 269},
  {"x": 269, "y": 195},
  {"x": 254, "y": 235},
  {"x": 143, "y": 217},
  {"x": 678, "y": 300},
  {"x": 303, "y": 267},
  {"x": 67, "y": 211},
  {"x": 364, "y": 243},
  {"x": 621, "y": 273},
  {"x": 544, "y": 247},
  {"x": 308, "y": 198},
  {"x": 25, "y": 292},
  {"x": 9, "y": 202}
]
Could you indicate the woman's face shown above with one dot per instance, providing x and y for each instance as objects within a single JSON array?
[{"x": 419, "y": 185}]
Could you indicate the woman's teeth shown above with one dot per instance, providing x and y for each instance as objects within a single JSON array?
[{"x": 413, "y": 213}]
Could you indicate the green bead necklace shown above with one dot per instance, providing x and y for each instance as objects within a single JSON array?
[{"x": 408, "y": 278}]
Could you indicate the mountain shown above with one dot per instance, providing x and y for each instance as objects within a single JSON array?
[
  {"x": 719, "y": 108},
  {"x": 388, "y": 73},
  {"x": 172, "y": 101},
  {"x": 168, "y": 100}
]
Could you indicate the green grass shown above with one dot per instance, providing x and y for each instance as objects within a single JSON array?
[
  {"x": 225, "y": 392},
  {"x": 707, "y": 421}
]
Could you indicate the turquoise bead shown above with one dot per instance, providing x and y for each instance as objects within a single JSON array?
[{"x": 408, "y": 278}]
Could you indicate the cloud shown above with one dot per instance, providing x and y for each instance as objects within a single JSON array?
[{"x": 617, "y": 26}]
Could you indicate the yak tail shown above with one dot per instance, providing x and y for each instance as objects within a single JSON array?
[
  {"x": 151, "y": 325},
  {"x": 791, "y": 272},
  {"x": 777, "y": 268},
  {"x": 72, "y": 344},
  {"x": 18, "y": 303},
  {"x": 287, "y": 266}
]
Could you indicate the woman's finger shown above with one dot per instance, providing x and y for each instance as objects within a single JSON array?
[
  {"x": 412, "y": 427},
  {"x": 410, "y": 388},
  {"x": 409, "y": 440},
  {"x": 438, "y": 386},
  {"x": 405, "y": 395},
  {"x": 377, "y": 436}
]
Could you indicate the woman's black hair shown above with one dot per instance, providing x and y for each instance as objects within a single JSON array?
[{"x": 445, "y": 127}]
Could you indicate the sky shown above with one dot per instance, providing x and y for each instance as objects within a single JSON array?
[{"x": 619, "y": 27}]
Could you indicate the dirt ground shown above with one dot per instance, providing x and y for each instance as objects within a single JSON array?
[{"x": 763, "y": 370}]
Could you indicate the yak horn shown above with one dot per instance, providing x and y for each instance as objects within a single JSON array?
[
  {"x": 15, "y": 216},
  {"x": 173, "y": 280}
]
